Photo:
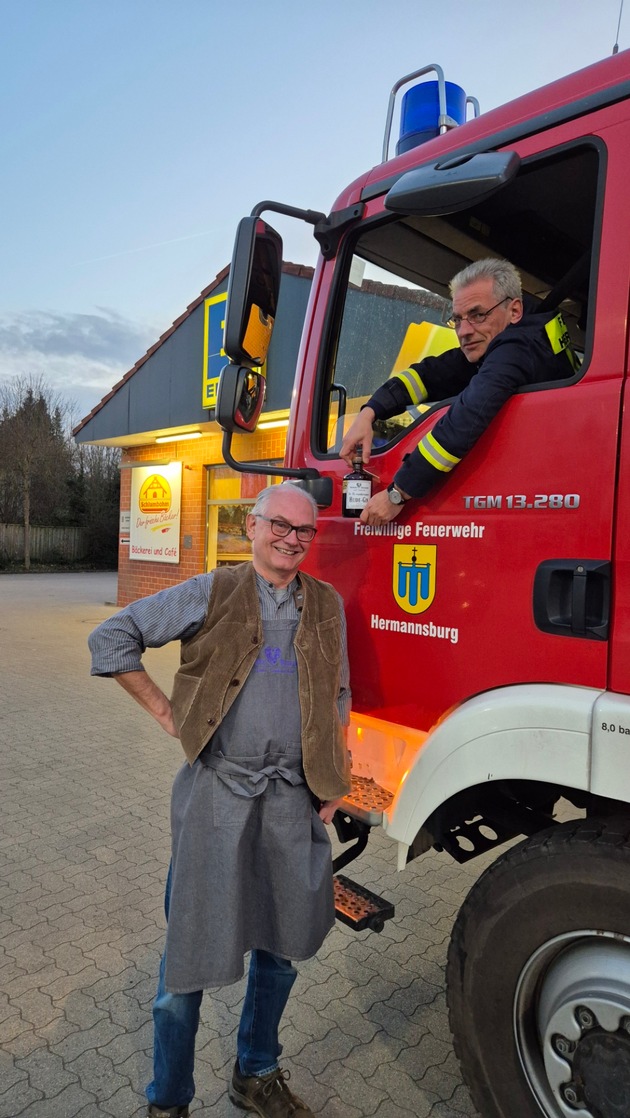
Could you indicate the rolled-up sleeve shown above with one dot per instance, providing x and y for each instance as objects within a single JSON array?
[{"x": 172, "y": 614}]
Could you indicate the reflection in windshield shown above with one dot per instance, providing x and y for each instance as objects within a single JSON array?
[{"x": 389, "y": 323}]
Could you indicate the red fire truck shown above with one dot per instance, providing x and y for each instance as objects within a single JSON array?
[{"x": 489, "y": 624}]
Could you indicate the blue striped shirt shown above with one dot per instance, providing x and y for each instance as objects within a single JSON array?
[{"x": 179, "y": 612}]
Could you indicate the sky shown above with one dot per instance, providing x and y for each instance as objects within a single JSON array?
[{"x": 134, "y": 134}]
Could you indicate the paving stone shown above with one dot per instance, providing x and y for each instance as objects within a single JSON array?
[
  {"x": 350, "y": 1087},
  {"x": 307, "y": 1019},
  {"x": 459, "y": 1104},
  {"x": 57, "y": 1031},
  {"x": 368, "y": 993},
  {"x": 125, "y": 1010},
  {"x": 81, "y": 1009},
  {"x": 336, "y": 1108},
  {"x": 12, "y": 1027},
  {"x": 125, "y": 1103},
  {"x": 96, "y": 1073},
  {"x": 81, "y": 1039},
  {"x": 18, "y": 1099},
  {"x": 10, "y": 1073},
  {"x": 351, "y": 1021},
  {"x": 35, "y": 980},
  {"x": 219, "y": 1050},
  {"x": 293, "y": 1042},
  {"x": 322, "y": 994},
  {"x": 26, "y": 1043},
  {"x": 129, "y": 981},
  {"x": 368, "y": 1058},
  {"x": 440, "y": 1079},
  {"x": 389, "y": 1108},
  {"x": 63, "y": 988},
  {"x": 46, "y": 1072},
  {"x": 68, "y": 1104},
  {"x": 23, "y": 931},
  {"x": 137, "y": 1069},
  {"x": 31, "y": 957},
  {"x": 397, "y": 1024},
  {"x": 36, "y": 1008},
  {"x": 125, "y": 1044}
]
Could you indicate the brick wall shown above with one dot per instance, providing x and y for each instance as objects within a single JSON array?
[{"x": 136, "y": 578}]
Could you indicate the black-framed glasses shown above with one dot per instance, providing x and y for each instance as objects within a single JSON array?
[
  {"x": 281, "y": 528},
  {"x": 474, "y": 317}
]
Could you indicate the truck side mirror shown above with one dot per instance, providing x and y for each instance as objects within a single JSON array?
[
  {"x": 240, "y": 397},
  {"x": 253, "y": 290}
]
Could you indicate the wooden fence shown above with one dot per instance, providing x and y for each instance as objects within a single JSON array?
[{"x": 48, "y": 545}]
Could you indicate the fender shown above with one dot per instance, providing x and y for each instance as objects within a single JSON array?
[
  {"x": 610, "y": 765},
  {"x": 538, "y": 732}
]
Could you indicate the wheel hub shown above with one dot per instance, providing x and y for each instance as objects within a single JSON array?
[
  {"x": 575, "y": 1047},
  {"x": 601, "y": 1067}
]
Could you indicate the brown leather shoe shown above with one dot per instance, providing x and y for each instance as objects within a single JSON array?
[
  {"x": 267, "y": 1095},
  {"x": 167, "y": 1111}
]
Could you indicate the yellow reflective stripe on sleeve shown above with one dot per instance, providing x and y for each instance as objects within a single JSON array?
[
  {"x": 440, "y": 458},
  {"x": 414, "y": 384},
  {"x": 557, "y": 333},
  {"x": 560, "y": 340}
]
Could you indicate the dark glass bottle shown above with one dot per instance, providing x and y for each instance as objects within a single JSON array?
[{"x": 357, "y": 487}]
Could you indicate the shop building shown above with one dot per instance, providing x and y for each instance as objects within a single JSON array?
[{"x": 182, "y": 510}]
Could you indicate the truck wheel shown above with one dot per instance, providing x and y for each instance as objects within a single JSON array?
[{"x": 538, "y": 977}]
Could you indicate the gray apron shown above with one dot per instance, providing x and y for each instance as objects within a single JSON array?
[{"x": 251, "y": 858}]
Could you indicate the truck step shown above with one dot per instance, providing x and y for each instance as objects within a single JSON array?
[
  {"x": 367, "y": 801},
  {"x": 358, "y": 907}
]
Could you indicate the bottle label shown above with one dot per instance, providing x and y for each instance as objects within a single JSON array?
[{"x": 357, "y": 492}]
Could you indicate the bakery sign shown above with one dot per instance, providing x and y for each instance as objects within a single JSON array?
[{"x": 155, "y": 513}]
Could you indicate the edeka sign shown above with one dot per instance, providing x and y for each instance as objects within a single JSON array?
[
  {"x": 213, "y": 353},
  {"x": 156, "y": 494}
]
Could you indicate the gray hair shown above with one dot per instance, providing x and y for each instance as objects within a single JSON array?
[
  {"x": 262, "y": 499},
  {"x": 504, "y": 276}
]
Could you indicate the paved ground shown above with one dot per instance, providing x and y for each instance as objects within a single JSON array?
[{"x": 83, "y": 849}]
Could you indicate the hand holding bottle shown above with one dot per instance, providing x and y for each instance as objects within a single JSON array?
[{"x": 359, "y": 434}]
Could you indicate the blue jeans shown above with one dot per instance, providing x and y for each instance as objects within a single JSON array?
[{"x": 176, "y": 1020}]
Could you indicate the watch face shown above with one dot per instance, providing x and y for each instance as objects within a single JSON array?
[{"x": 394, "y": 495}]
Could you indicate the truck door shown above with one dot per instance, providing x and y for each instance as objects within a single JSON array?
[{"x": 502, "y": 574}]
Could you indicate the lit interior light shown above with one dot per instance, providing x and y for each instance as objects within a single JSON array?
[{"x": 178, "y": 438}]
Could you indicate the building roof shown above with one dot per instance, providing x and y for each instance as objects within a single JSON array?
[{"x": 288, "y": 268}]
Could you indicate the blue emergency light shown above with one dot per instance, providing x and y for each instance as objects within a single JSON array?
[
  {"x": 428, "y": 109},
  {"x": 420, "y": 113}
]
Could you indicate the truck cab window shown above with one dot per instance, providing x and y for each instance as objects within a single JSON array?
[{"x": 393, "y": 303}]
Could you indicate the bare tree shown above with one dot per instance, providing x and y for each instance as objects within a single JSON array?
[{"x": 35, "y": 453}]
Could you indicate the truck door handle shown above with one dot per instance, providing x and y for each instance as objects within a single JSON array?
[{"x": 572, "y": 598}]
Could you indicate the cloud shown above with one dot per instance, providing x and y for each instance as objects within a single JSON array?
[
  {"x": 105, "y": 336},
  {"x": 81, "y": 356}
]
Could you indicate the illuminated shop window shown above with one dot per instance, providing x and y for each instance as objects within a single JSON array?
[{"x": 230, "y": 497}]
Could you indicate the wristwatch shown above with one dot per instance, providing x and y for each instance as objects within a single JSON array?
[{"x": 395, "y": 495}]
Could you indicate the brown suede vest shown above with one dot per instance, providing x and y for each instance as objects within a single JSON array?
[{"x": 216, "y": 662}]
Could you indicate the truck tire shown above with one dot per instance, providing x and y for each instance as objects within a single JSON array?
[{"x": 538, "y": 977}]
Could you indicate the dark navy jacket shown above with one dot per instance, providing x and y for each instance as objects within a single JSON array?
[{"x": 531, "y": 351}]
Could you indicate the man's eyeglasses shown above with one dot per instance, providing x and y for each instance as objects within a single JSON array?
[
  {"x": 474, "y": 317},
  {"x": 281, "y": 528}
]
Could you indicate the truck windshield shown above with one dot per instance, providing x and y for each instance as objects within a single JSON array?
[{"x": 393, "y": 301}]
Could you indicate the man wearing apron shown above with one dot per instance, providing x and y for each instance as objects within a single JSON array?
[{"x": 259, "y": 704}]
